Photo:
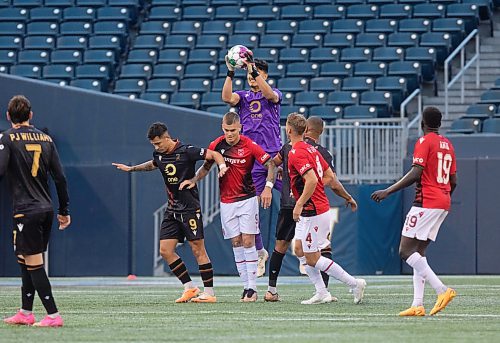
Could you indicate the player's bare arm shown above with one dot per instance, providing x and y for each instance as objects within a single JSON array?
[
  {"x": 219, "y": 159},
  {"x": 453, "y": 182},
  {"x": 278, "y": 160},
  {"x": 200, "y": 174},
  {"x": 267, "y": 194},
  {"x": 310, "y": 182},
  {"x": 146, "y": 166},
  {"x": 330, "y": 179},
  {"x": 228, "y": 96},
  {"x": 409, "y": 179},
  {"x": 264, "y": 87}
]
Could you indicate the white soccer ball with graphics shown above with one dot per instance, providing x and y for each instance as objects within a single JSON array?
[{"x": 237, "y": 55}]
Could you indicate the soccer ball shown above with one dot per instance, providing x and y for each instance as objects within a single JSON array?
[{"x": 236, "y": 56}]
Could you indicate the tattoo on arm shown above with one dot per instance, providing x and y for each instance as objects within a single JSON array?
[{"x": 146, "y": 166}]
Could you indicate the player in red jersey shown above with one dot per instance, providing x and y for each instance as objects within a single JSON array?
[
  {"x": 239, "y": 201},
  {"x": 308, "y": 170},
  {"x": 434, "y": 172}
]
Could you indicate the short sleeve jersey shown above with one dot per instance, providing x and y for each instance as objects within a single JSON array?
[
  {"x": 28, "y": 156},
  {"x": 323, "y": 151},
  {"x": 175, "y": 167},
  {"x": 237, "y": 184},
  {"x": 287, "y": 200},
  {"x": 436, "y": 155},
  {"x": 260, "y": 119},
  {"x": 302, "y": 158}
]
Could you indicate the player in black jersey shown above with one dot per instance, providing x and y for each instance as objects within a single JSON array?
[
  {"x": 183, "y": 218},
  {"x": 27, "y": 157},
  {"x": 285, "y": 227}
]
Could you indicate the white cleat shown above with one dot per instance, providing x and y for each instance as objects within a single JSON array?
[
  {"x": 318, "y": 299},
  {"x": 359, "y": 290},
  {"x": 261, "y": 264}
]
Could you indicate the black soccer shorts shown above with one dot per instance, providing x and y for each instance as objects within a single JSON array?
[
  {"x": 32, "y": 232},
  {"x": 285, "y": 227},
  {"x": 182, "y": 226}
]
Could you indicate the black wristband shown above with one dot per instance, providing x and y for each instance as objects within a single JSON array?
[
  {"x": 230, "y": 73},
  {"x": 254, "y": 73},
  {"x": 63, "y": 212}
]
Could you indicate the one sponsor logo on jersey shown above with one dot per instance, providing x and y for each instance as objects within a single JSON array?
[
  {"x": 304, "y": 168},
  {"x": 170, "y": 170},
  {"x": 292, "y": 151},
  {"x": 198, "y": 215},
  {"x": 241, "y": 152},
  {"x": 235, "y": 160},
  {"x": 20, "y": 227},
  {"x": 159, "y": 158},
  {"x": 1, "y": 146},
  {"x": 418, "y": 160},
  {"x": 421, "y": 140},
  {"x": 202, "y": 151},
  {"x": 264, "y": 157}
]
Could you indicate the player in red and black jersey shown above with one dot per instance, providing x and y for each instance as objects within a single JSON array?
[
  {"x": 183, "y": 218},
  {"x": 239, "y": 201},
  {"x": 27, "y": 157},
  {"x": 434, "y": 173},
  {"x": 308, "y": 169}
]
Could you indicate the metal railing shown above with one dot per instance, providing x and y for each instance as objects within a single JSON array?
[
  {"x": 210, "y": 207},
  {"x": 463, "y": 67}
]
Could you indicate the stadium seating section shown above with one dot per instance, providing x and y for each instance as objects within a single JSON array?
[{"x": 343, "y": 58}]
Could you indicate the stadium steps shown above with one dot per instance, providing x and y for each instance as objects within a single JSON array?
[{"x": 489, "y": 72}]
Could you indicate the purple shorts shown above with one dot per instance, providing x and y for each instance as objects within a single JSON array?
[{"x": 259, "y": 176}]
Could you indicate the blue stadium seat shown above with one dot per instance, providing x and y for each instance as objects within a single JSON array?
[
  {"x": 414, "y": 25},
  {"x": 263, "y": 12},
  {"x": 386, "y": 26},
  {"x": 59, "y": 3},
  {"x": 306, "y": 40},
  {"x": 329, "y": 12},
  {"x": 186, "y": 27},
  {"x": 218, "y": 84},
  {"x": 491, "y": 96},
  {"x": 217, "y": 3},
  {"x": 110, "y": 28},
  {"x": 484, "y": 6},
  {"x": 106, "y": 42},
  {"x": 288, "y": 27},
  {"x": 314, "y": 26},
  {"x": 27, "y": 3},
  {"x": 325, "y": 84},
  {"x": 360, "y": 112},
  {"x": 8, "y": 57},
  {"x": 233, "y": 13},
  {"x": 180, "y": 41},
  {"x": 130, "y": 86},
  {"x": 159, "y": 97},
  {"x": 287, "y": 99},
  {"x": 427, "y": 59},
  {"x": 198, "y": 85},
  {"x": 455, "y": 27},
  {"x": 347, "y": 26},
  {"x": 292, "y": 84},
  {"x": 99, "y": 56},
  {"x": 205, "y": 70},
  {"x": 327, "y": 113},
  {"x": 310, "y": 98},
  {"x": 117, "y": 13},
  {"x": 380, "y": 100},
  {"x": 440, "y": 41},
  {"x": 324, "y": 55},
  {"x": 362, "y": 11},
  {"x": 97, "y": 3},
  {"x": 302, "y": 69},
  {"x": 465, "y": 125},
  {"x": 255, "y": 2},
  {"x": 172, "y": 55},
  {"x": 217, "y": 27},
  {"x": 337, "y": 69},
  {"x": 40, "y": 28},
  {"x": 287, "y": 109},
  {"x": 387, "y": 54},
  {"x": 93, "y": 71},
  {"x": 276, "y": 70},
  {"x": 211, "y": 42},
  {"x": 129, "y": 95},
  {"x": 13, "y": 14},
  {"x": 339, "y": 40},
  {"x": 428, "y": 11},
  {"x": 395, "y": 11},
  {"x": 248, "y": 40},
  {"x": 202, "y": 13},
  {"x": 402, "y": 39},
  {"x": 356, "y": 54},
  {"x": 39, "y": 42},
  {"x": 342, "y": 98},
  {"x": 194, "y": 2},
  {"x": 202, "y": 56},
  {"x": 253, "y": 27},
  {"x": 491, "y": 125},
  {"x": 372, "y": 69},
  {"x": 358, "y": 84},
  {"x": 136, "y": 70},
  {"x": 293, "y": 55},
  {"x": 83, "y": 28},
  {"x": 165, "y": 2},
  {"x": 72, "y": 57},
  {"x": 155, "y": 27},
  {"x": 58, "y": 71},
  {"x": 167, "y": 85},
  {"x": 33, "y": 57},
  {"x": 287, "y": 2},
  {"x": 276, "y": 41},
  {"x": 267, "y": 54},
  {"x": 211, "y": 99},
  {"x": 371, "y": 40},
  {"x": 11, "y": 42},
  {"x": 26, "y": 70},
  {"x": 167, "y": 70},
  {"x": 409, "y": 70},
  {"x": 142, "y": 56},
  {"x": 396, "y": 85},
  {"x": 468, "y": 12},
  {"x": 148, "y": 41},
  {"x": 79, "y": 14},
  {"x": 119, "y": 3},
  {"x": 166, "y": 13},
  {"x": 45, "y": 14},
  {"x": 72, "y": 42},
  {"x": 298, "y": 12},
  {"x": 218, "y": 109},
  {"x": 479, "y": 111},
  {"x": 89, "y": 84}
]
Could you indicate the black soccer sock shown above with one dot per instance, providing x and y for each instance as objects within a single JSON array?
[
  {"x": 179, "y": 269},
  {"x": 207, "y": 274},
  {"x": 275, "y": 267},
  {"x": 327, "y": 252},
  {"x": 43, "y": 288},
  {"x": 27, "y": 288}
]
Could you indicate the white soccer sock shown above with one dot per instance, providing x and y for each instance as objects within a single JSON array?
[
  {"x": 420, "y": 264},
  {"x": 273, "y": 290},
  {"x": 418, "y": 289},
  {"x": 209, "y": 290},
  {"x": 252, "y": 258},
  {"x": 326, "y": 265},
  {"x": 315, "y": 277},
  {"x": 239, "y": 258},
  {"x": 188, "y": 285}
]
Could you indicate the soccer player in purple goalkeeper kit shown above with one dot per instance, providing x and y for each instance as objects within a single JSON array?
[{"x": 259, "y": 110}]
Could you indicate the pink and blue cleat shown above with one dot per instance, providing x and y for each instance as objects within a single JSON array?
[
  {"x": 20, "y": 319},
  {"x": 50, "y": 322}
]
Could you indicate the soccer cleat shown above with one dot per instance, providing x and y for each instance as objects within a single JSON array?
[
  {"x": 359, "y": 290},
  {"x": 243, "y": 295},
  {"x": 261, "y": 264},
  {"x": 50, "y": 322},
  {"x": 270, "y": 297},
  {"x": 188, "y": 295},
  {"x": 204, "y": 298},
  {"x": 318, "y": 299},
  {"x": 20, "y": 319},
  {"x": 414, "y": 311},
  {"x": 250, "y": 297},
  {"x": 443, "y": 300}
]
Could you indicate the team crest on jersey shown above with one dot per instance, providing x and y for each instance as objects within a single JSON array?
[
  {"x": 159, "y": 158},
  {"x": 222, "y": 151},
  {"x": 241, "y": 152},
  {"x": 20, "y": 226},
  {"x": 421, "y": 214},
  {"x": 316, "y": 228},
  {"x": 421, "y": 140},
  {"x": 198, "y": 216}
]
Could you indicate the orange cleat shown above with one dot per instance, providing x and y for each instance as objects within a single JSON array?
[
  {"x": 188, "y": 295},
  {"x": 414, "y": 311},
  {"x": 443, "y": 300},
  {"x": 204, "y": 298}
]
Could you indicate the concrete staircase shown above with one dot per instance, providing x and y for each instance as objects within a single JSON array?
[{"x": 489, "y": 72}]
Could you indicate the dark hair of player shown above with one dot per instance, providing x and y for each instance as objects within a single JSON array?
[
  {"x": 157, "y": 130},
  {"x": 231, "y": 118},
  {"x": 432, "y": 117},
  {"x": 262, "y": 65},
  {"x": 315, "y": 124},
  {"x": 19, "y": 109},
  {"x": 297, "y": 122}
]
